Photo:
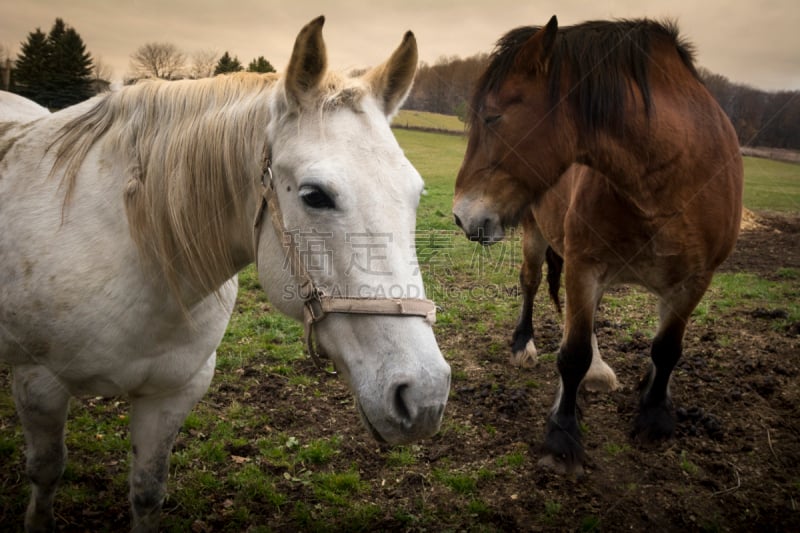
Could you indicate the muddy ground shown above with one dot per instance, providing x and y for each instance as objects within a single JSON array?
[{"x": 734, "y": 464}]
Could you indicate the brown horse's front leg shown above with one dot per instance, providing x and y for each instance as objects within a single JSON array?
[
  {"x": 562, "y": 448},
  {"x": 654, "y": 420},
  {"x": 534, "y": 248}
]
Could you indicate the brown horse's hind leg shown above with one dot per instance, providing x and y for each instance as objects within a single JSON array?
[
  {"x": 654, "y": 420},
  {"x": 562, "y": 448},
  {"x": 534, "y": 248}
]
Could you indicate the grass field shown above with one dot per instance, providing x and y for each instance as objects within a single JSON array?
[
  {"x": 771, "y": 185},
  {"x": 241, "y": 465}
]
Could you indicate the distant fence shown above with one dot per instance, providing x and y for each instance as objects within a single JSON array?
[
  {"x": 443, "y": 131},
  {"x": 790, "y": 156}
]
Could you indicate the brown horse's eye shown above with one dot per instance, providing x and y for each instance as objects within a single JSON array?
[{"x": 491, "y": 119}]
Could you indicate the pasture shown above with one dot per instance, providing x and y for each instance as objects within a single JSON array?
[{"x": 277, "y": 445}]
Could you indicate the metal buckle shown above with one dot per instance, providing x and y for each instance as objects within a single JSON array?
[
  {"x": 314, "y": 305},
  {"x": 314, "y": 312},
  {"x": 266, "y": 176}
]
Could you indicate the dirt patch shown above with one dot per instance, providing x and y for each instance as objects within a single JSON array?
[
  {"x": 734, "y": 464},
  {"x": 767, "y": 243}
]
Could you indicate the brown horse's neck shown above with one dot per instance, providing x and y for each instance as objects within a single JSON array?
[{"x": 660, "y": 132}]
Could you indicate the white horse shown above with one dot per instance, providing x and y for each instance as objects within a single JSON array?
[
  {"x": 125, "y": 219},
  {"x": 15, "y": 108}
]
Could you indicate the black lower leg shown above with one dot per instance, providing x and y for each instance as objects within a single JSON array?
[
  {"x": 563, "y": 437},
  {"x": 655, "y": 420},
  {"x": 524, "y": 330}
]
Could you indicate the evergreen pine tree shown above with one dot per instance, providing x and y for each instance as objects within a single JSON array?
[
  {"x": 75, "y": 71},
  {"x": 260, "y": 65},
  {"x": 227, "y": 64},
  {"x": 54, "y": 70},
  {"x": 32, "y": 65}
]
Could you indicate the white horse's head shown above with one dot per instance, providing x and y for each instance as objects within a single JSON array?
[{"x": 349, "y": 198}]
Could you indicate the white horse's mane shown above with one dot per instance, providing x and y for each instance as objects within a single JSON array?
[{"x": 192, "y": 152}]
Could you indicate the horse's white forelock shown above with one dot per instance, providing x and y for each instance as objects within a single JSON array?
[{"x": 193, "y": 152}]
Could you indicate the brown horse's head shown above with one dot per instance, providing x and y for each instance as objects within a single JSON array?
[{"x": 519, "y": 141}]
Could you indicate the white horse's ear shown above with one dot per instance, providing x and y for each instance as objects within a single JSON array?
[
  {"x": 391, "y": 81},
  {"x": 309, "y": 61}
]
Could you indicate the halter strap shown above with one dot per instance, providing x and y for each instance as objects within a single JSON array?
[{"x": 316, "y": 304}]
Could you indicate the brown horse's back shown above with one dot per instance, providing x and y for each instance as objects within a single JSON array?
[{"x": 702, "y": 195}]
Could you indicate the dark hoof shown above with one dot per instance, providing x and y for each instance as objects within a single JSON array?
[
  {"x": 562, "y": 451},
  {"x": 559, "y": 466},
  {"x": 654, "y": 424}
]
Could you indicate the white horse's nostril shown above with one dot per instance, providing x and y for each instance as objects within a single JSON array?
[{"x": 402, "y": 410}]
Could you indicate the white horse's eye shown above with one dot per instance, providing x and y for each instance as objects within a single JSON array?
[{"x": 316, "y": 198}]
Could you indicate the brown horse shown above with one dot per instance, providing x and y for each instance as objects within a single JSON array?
[{"x": 660, "y": 206}]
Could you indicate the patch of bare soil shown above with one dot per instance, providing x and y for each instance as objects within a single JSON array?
[
  {"x": 734, "y": 464},
  {"x": 768, "y": 242}
]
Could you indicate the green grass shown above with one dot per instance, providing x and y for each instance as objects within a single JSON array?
[
  {"x": 437, "y": 157},
  {"x": 687, "y": 465},
  {"x": 338, "y": 487},
  {"x": 402, "y": 456},
  {"x": 744, "y": 290},
  {"x": 551, "y": 510},
  {"x": 613, "y": 449},
  {"x": 458, "y": 482},
  {"x": 771, "y": 185}
]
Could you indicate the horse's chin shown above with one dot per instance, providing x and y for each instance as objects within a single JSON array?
[
  {"x": 370, "y": 428},
  {"x": 514, "y": 218}
]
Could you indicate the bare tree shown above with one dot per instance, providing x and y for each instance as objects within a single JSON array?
[
  {"x": 203, "y": 63},
  {"x": 102, "y": 70},
  {"x": 158, "y": 60},
  {"x": 5, "y": 68}
]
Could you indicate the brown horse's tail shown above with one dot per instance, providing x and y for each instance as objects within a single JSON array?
[{"x": 554, "y": 266}]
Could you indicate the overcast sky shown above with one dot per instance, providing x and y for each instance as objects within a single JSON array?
[{"x": 749, "y": 41}]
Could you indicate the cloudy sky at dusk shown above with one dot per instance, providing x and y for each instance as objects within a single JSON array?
[{"x": 757, "y": 43}]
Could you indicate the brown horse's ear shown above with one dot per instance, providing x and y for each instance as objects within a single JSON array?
[
  {"x": 391, "y": 81},
  {"x": 309, "y": 61},
  {"x": 535, "y": 53}
]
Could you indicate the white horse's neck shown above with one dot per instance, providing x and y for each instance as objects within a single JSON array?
[{"x": 194, "y": 151}]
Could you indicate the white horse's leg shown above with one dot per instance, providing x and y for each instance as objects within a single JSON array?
[
  {"x": 600, "y": 377},
  {"x": 42, "y": 404},
  {"x": 155, "y": 421}
]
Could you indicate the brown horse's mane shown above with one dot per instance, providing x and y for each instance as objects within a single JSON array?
[{"x": 602, "y": 58}]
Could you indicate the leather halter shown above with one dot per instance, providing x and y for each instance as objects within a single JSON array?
[{"x": 316, "y": 304}]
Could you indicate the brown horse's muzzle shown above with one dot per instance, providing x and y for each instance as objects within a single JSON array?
[{"x": 480, "y": 224}]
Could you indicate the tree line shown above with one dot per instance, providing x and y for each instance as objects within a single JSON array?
[
  {"x": 167, "y": 62},
  {"x": 55, "y": 70},
  {"x": 760, "y": 118}
]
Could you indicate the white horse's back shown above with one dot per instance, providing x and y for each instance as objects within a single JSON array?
[{"x": 15, "y": 108}]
